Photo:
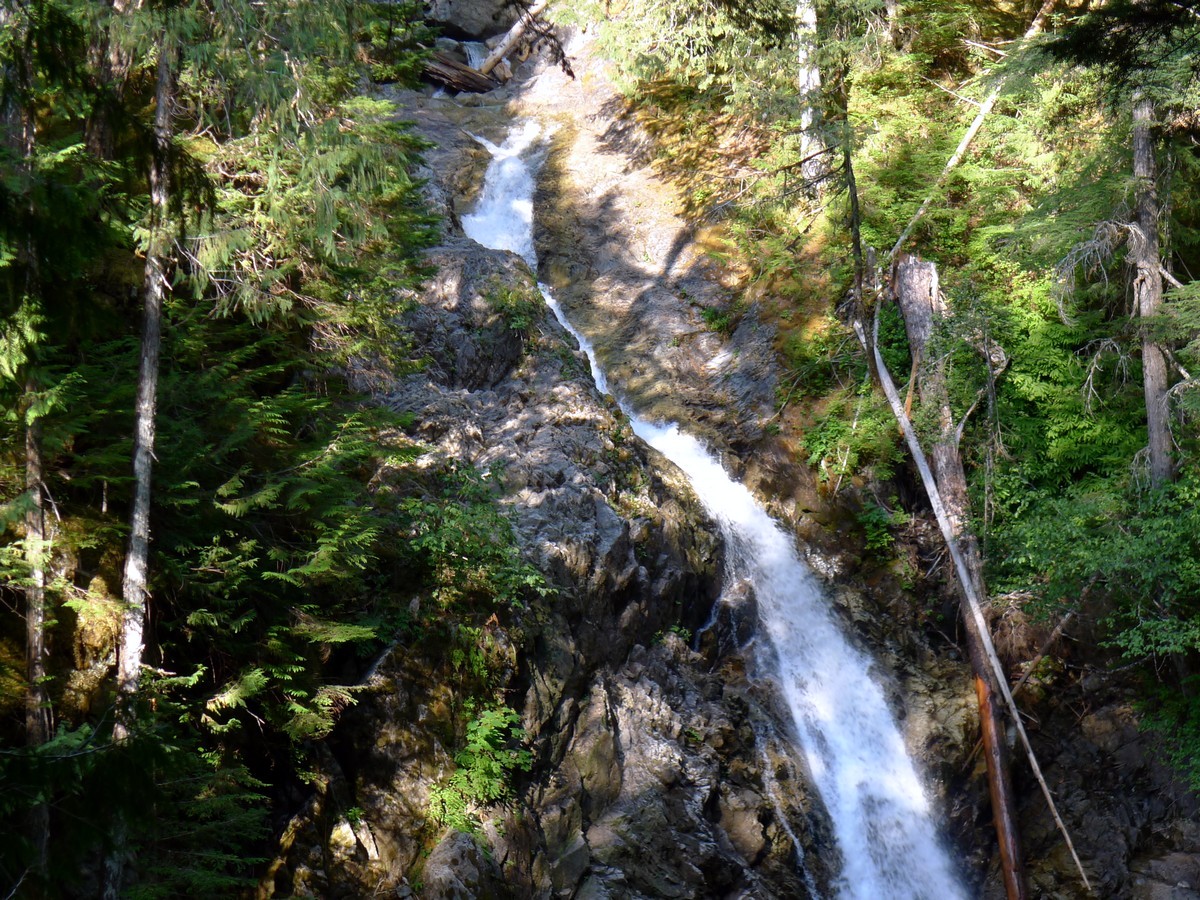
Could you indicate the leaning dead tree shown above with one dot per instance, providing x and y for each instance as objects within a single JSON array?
[
  {"x": 509, "y": 42},
  {"x": 915, "y": 287}
]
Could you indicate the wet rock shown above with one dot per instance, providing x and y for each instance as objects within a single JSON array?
[
  {"x": 634, "y": 276},
  {"x": 471, "y": 19}
]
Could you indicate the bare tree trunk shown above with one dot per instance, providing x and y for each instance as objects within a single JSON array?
[
  {"x": 111, "y": 62},
  {"x": 38, "y": 721},
  {"x": 892, "y": 8},
  {"x": 1148, "y": 290},
  {"x": 131, "y": 644},
  {"x": 808, "y": 84},
  {"x": 921, "y": 305},
  {"x": 856, "y": 248},
  {"x": 19, "y": 125},
  {"x": 134, "y": 581}
]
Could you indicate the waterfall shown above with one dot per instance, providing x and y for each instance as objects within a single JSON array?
[
  {"x": 477, "y": 53},
  {"x": 881, "y": 817}
]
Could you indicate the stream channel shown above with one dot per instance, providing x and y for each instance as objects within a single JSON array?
[{"x": 882, "y": 819}]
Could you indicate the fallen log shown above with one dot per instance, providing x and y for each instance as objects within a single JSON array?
[
  {"x": 457, "y": 76},
  {"x": 509, "y": 41}
]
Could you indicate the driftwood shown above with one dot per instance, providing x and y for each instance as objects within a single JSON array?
[
  {"x": 965, "y": 580},
  {"x": 509, "y": 41},
  {"x": 457, "y": 76},
  {"x": 915, "y": 284}
]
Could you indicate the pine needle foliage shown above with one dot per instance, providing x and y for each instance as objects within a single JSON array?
[{"x": 294, "y": 534}]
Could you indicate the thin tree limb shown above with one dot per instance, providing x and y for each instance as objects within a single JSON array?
[{"x": 984, "y": 108}]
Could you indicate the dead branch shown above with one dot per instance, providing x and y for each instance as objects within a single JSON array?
[
  {"x": 985, "y": 108},
  {"x": 514, "y": 35}
]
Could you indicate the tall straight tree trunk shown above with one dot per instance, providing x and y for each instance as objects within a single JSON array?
[
  {"x": 111, "y": 62},
  {"x": 19, "y": 125},
  {"x": 1148, "y": 290},
  {"x": 37, "y": 701},
  {"x": 134, "y": 580},
  {"x": 38, "y": 722},
  {"x": 808, "y": 84},
  {"x": 131, "y": 644}
]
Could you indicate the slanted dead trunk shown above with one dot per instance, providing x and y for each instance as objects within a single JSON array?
[
  {"x": 965, "y": 580},
  {"x": 915, "y": 283}
]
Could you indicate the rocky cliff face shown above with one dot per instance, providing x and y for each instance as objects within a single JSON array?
[
  {"x": 657, "y": 769},
  {"x": 655, "y": 772}
]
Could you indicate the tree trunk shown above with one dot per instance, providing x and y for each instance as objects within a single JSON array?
[
  {"x": 921, "y": 305},
  {"x": 965, "y": 580},
  {"x": 509, "y": 41},
  {"x": 134, "y": 581},
  {"x": 131, "y": 644},
  {"x": 1148, "y": 290},
  {"x": 19, "y": 125},
  {"x": 38, "y": 722},
  {"x": 111, "y": 62},
  {"x": 808, "y": 84},
  {"x": 856, "y": 249},
  {"x": 1000, "y": 786}
]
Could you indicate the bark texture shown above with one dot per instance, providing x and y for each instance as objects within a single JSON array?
[
  {"x": 450, "y": 72},
  {"x": 916, "y": 286},
  {"x": 134, "y": 579},
  {"x": 1148, "y": 291}
]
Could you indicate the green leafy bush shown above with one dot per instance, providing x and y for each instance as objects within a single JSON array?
[{"x": 491, "y": 755}]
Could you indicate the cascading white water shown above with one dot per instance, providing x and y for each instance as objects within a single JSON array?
[{"x": 880, "y": 813}]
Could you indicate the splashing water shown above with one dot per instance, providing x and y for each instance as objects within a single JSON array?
[{"x": 880, "y": 814}]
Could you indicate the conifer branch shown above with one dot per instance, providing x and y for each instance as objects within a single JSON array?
[{"x": 984, "y": 109}]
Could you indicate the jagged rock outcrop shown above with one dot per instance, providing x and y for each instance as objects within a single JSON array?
[{"x": 655, "y": 772}]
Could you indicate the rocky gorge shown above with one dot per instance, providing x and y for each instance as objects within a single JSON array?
[{"x": 662, "y": 765}]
